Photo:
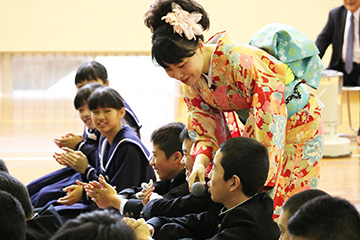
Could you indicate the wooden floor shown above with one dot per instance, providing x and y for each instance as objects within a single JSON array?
[{"x": 29, "y": 124}]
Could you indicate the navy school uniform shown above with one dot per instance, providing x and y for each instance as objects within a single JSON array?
[
  {"x": 125, "y": 163},
  {"x": 47, "y": 189}
]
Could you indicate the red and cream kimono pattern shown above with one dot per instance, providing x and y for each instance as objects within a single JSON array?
[{"x": 246, "y": 78}]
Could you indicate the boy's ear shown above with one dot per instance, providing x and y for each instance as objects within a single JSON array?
[
  {"x": 235, "y": 183},
  {"x": 177, "y": 156},
  {"x": 107, "y": 83}
]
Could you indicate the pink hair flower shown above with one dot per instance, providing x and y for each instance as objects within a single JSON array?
[{"x": 184, "y": 22}]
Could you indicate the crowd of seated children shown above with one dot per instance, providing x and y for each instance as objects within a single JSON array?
[
  {"x": 48, "y": 189},
  {"x": 42, "y": 190},
  {"x": 167, "y": 156},
  {"x": 121, "y": 157},
  {"x": 235, "y": 182},
  {"x": 110, "y": 166}
]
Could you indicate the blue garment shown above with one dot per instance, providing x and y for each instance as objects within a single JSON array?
[
  {"x": 125, "y": 163},
  {"x": 47, "y": 189},
  {"x": 297, "y": 50},
  {"x": 292, "y": 47}
]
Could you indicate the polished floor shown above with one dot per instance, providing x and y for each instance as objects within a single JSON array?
[{"x": 28, "y": 125}]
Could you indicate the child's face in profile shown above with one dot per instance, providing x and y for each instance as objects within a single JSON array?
[
  {"x": 187, "y": 160},
  {"x": 283, "y": 220},
  {"x": 218, "y": 186},
  {"x": 166, "y": 168},
  {"x": 85, "y": 116}
]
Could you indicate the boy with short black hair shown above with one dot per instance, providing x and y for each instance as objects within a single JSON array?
[
  {"x": 292, "y": 205},
  {"x": 40, "y": 224},
  {"x": 240, "y": 169},
  {"x": 325, "y": 218},
  {"x": 3, "y": 166},
  {"x": 95, "y": 225},
  {"x": 12, "y": 218}
]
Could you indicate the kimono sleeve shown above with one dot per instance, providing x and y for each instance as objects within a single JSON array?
[{"x": 207, "y": 125}]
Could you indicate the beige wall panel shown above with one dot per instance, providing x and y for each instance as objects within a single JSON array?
[{"x": 117, "y": 25}]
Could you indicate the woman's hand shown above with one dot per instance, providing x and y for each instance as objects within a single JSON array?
[{"x": 198, "y": 171}]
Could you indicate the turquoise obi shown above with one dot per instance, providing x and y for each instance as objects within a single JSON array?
[{"x": 296, "y": 104}]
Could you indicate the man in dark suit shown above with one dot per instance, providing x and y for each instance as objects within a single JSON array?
[{"x": 336, "y": 32}]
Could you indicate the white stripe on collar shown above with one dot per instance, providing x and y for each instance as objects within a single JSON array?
[{"x": 103, "y": 147}]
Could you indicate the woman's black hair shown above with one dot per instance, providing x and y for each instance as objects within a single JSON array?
[
  {"x": 168, "y": 47},
  {"x": 105, "y": 97},
  {"x": 84, "y": 93},
  {"x": 91, "y": 71}
]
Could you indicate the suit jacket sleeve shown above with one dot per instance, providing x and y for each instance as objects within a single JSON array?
[
  {"x": 325, "y": 37},
  {"x": 133, "y": 208},
  {"x": 333, "y": 33},
  {"x": 196, "y": 225},
  {"x": 177, "y": 207}
]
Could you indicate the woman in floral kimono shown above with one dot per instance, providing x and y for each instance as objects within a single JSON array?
[{"x": 263, "y": 87}]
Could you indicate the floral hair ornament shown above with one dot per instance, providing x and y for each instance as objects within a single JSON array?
[{"x": 184, "y": 22}]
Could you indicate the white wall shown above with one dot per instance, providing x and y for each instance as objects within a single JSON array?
[{"x": 117, "y": 25}]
